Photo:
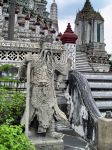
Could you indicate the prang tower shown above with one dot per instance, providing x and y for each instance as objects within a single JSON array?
[{"x": 54, "y": 15}]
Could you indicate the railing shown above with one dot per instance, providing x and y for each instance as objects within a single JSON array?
[
  {"x": 19, "y": 86},
  {"x": 81, "y": 97}
]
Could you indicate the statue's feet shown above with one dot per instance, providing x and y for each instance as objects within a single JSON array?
[{"x": 55, "y": 135}]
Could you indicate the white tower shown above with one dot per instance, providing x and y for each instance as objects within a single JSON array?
[{"x": 54, "y": 15}]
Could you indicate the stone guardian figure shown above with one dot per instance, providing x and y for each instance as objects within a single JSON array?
[{"x": 43, "y": 107}]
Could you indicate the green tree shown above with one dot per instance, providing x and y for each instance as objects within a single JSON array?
[{"x": 12, "y": 105}]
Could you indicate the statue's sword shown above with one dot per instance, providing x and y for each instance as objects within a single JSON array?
[{"x": 27, "y": 100}]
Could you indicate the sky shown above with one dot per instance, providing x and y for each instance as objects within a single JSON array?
[{"x": 67, "y": 10}]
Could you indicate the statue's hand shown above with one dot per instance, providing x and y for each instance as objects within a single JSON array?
[{"x": 28, "y": 58}]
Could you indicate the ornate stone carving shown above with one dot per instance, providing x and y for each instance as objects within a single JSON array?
[{"x": 43, "y": 103}]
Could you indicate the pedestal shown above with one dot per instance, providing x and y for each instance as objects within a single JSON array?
[
  {"x": 45, "y": 143},
  {"x": 104, "y": 134}
]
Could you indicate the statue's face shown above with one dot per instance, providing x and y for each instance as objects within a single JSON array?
[{"x": 48, "y": 55}]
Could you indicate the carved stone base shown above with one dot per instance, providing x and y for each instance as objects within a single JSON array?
[{"x": 45, "y": 143}]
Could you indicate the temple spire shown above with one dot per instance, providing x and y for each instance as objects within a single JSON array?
[
  {"x": 54, "y": 14},
  {"x": 87, "y": 6}
]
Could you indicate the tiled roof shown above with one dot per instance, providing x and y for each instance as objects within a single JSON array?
[{"x": 88, "y": 13}]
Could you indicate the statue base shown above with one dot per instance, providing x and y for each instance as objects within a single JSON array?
[{"x": 46, "y": 143}]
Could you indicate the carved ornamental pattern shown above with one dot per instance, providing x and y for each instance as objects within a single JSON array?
[
  {"x": 14, "y": 51},
  {"x": 12, "y": 56},
  {"x": 95, "y": 52}
]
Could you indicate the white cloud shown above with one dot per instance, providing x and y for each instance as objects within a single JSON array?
[
  {"x": 63, "y": 3},
  {"x": 64, "y": 22},
  {"x": 106, "y": 13}
]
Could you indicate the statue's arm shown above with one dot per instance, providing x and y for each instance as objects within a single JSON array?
[
  {"x": 63, "y": 69},
  {"x": 22, "y": 71},
  {"x": 23, "y": 68}
]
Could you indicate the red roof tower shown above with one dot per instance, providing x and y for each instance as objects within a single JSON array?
[{"x": 69, "y": 36}]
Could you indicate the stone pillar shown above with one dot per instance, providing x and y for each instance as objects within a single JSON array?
[
  {"x": 1, "y": 8},
  {"x": 11, "y": 20},
  {"x": 16, "y": 15},
  {"x": 88, "y": 33},
  {"x": 95, "y": 31},
  {"x": 104, "y": 138},
  {"x": 45, "y": 30},
  {"x": 17, "y": 10},
  {"x": 27, "y": 23},
  {"x": 86, "y": 29},
  {"x": 53, "y": 32},
  {"x": 102, "y": 33},
  {"x": 37, "y": 28},
  {"x": 92, "y": 31},
  {"x": 79, "y": 32},
  {"x": 1, "y": 17}
]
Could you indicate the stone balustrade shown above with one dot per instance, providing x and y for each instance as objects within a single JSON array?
[{"x": 13, "y": 85}]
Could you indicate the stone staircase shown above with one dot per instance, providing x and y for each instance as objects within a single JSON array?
[
  {"x": 82, "y": 62},
  {"x": 101, "y": 87}
]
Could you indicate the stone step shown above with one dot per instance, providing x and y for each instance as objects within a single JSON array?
[
  {"x": 83, "y": 70},
  {"x": 98, "y": 76},
  {"x": 98, "y": 73},
  {"x": 81, "y": 58},
  {"x": 80, "y": 54},
  {"x": 83, "y": 67},
  {"x": 82, "y": 63},
  {"x": 100, "y": 85},
  {"x": 105, "y": 105},
  {"x": 102, "y": 94}
]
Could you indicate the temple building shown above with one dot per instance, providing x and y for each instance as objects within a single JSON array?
[
  {"x": 91, "y": 54},
  {"x": 30, "y": 27}
]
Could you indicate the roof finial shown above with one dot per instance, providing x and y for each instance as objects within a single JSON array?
[{"x": 53, "y": 1}]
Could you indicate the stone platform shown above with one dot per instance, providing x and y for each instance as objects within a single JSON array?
[{"x": 43, "y": 143}]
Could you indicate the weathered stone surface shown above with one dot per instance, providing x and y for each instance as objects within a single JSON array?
[
  {"x": 41, "y": 102},
  {"x": 42, "y": 143},
  {"x": 104, "y": 139}
]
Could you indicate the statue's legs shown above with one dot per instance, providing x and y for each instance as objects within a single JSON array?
[
  {"x": 51, "y": 131},
  {"x": 41, "y": 130},
  {"x": 44, "y": 117}
]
